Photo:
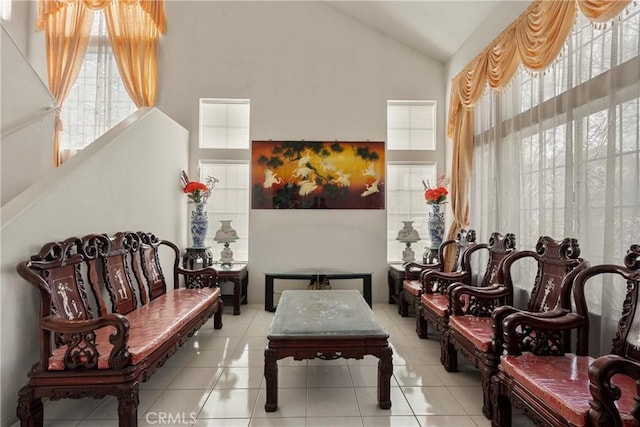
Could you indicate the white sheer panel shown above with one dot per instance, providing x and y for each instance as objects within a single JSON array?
[
  {"x": 98, "y": 100},
  {"x": 558, "y": 154}
]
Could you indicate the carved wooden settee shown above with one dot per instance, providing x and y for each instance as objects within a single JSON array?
[
  {"x": 91, "y": 348},
  {"x": 477, "y": 313},
  {"x": 412, "y": 286},
  {"x": 555, "y": 387}
]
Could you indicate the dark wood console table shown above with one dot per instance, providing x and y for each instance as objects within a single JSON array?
[
  {"x": 395, "y": 277},
  {"x": 317, "y": 277}
]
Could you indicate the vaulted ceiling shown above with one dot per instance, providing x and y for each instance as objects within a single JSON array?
[{"x": 435, "y": 28}]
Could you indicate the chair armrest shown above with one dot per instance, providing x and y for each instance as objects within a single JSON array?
[
  {"x": 605, "y": 394},
  {"x": 201, "y": 278},
  {"x": 80, "y": 339},
  {"x": 444, "y": 280},
  {"x": 500, "y": 314},
  {"x": 414, "y": 269},
  {"x": 540, "y": 333},
  {"x": 477, "y": 300}
]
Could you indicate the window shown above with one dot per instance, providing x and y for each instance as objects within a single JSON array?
[
  {"x": 5, "y": 9},
  {"x": 411, "y": 160},
  {"x": 98, "y": 100},
  {"x": 563, "y": 150},
  {"x": 224, "y": 136},
  {"x": 411, "y": 125},
  {"x": 224, "y": 123}
]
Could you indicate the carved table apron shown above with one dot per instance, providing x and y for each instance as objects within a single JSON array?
[{"x": 326, "y": 324}]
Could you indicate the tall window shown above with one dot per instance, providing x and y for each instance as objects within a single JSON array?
[
  {"x": 224, "y": 152},
  {"x": 559, "y": 154},
  {"x": 411, "y": 160},
  {"x": 98, "y": 100}
]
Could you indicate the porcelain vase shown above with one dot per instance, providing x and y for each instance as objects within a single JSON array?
[
  {"x": 198, "y": 224},
  {"x": 435, "y": 224}
]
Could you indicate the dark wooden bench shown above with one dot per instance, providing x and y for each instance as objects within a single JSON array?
[
  {"x": 554, "y": 386},
  {"x": 93, "y": 348},
  {"x": 476, "y": 313}
]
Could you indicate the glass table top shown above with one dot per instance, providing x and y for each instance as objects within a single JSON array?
[{"x": 330, "y": 313}]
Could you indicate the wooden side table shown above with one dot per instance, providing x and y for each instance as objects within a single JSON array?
[
  {"x": 239, "y": 276},
  {"x": 395, "y": 277},
  {"x": 235, "y": 273}
]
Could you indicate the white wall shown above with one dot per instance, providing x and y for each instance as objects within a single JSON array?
[
  {"x": 127, "y": 180},
  {"x": 311, "y": 73}
]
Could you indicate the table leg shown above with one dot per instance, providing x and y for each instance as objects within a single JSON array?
[
  {"x": 385, "y": 371},
  {"x": 237, "y": 286},
  {"x": 271, "y": 379}
]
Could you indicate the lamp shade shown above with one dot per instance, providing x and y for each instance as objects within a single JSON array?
[
  {"x": 226, "y": 234},
  {"x": 407, "y": 233}
]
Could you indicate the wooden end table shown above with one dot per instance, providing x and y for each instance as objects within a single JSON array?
[
  {"x": 327, "y": 324},
  {"x": 236, "y": 273}
]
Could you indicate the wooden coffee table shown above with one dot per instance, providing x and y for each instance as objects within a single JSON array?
[{"x": 327, "y": 324}]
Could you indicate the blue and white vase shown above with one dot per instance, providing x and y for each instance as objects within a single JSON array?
[
  {"x": 198, "y": 224},
  {"x": 435, "y": 224}
]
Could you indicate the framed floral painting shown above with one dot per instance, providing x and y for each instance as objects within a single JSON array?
[{"x": 317, "y": 175}]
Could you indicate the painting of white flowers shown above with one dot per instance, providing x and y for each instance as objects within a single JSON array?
[{"x": 317, "y": 175}]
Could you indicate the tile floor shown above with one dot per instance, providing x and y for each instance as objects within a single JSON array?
[{"x": 216, "y": 379}]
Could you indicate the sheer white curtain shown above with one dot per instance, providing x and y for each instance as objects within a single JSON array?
[
  {"x": 558, "y": 154},
  {"x": 98, "y": 100}
]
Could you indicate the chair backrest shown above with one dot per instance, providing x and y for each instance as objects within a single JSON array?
[
  {"x": 464, "y": 240},
  {"x": 626, "y": 342},
  {"x": 58, "y": 274},
  {"x": 151, "y": 266},
  {"x": 498, "y": 248},
  {"x": 558, "y": 263},
  {"x": 111, "y": 261}
]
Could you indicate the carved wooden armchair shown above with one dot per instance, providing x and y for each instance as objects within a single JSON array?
[
  {"x": 477, "y": 313},
  {"x": 414, "y": 271},
  {"x": 552, "y": 386},
  {"x": 434, "y": 301}
]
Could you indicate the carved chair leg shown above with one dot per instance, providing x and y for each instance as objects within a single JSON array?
[
  {"x": 128, "y": 400},
  {"x": 403, "y": 306},
  {"x": 30, "y": 410},
  {"x": 422, "y": 325},
  {"x": 448, "y": 353},
  {"x": 501, "y": 405},
  {"x": 217, "y": 317},
  {"x": 487, "y": 408}
]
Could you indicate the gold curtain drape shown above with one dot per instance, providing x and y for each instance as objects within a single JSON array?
[
  {"x": 134, "y": 27},
  {"x": 534, "y": 40},
  {"x": 66, "y": 41}
]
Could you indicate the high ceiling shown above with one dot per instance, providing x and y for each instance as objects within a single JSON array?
[{"x": 435, "y": 28}]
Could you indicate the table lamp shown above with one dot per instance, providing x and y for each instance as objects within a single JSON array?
[
  {"x": 226, "y": 235},
  {"x": 408, "y": 235}
]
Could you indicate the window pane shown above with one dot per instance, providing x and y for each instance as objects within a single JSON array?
[
  {"x": 405, "y": 202},
  {"x": 230, "y": 200},
  {"x": 224, "y": 123},
  {"x": 411, "y": 125}
]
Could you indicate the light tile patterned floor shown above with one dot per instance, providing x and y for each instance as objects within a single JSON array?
[{"x": 216, "y": 379}]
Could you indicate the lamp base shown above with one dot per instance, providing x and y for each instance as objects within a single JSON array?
[
  {"x": 407, "y": 254},
  {"x": 226, "y": 256}
]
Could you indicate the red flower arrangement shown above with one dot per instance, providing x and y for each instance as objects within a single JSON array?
[
  {"x": 437, "y": 195},
  {"x": 197, "y": 191}
]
